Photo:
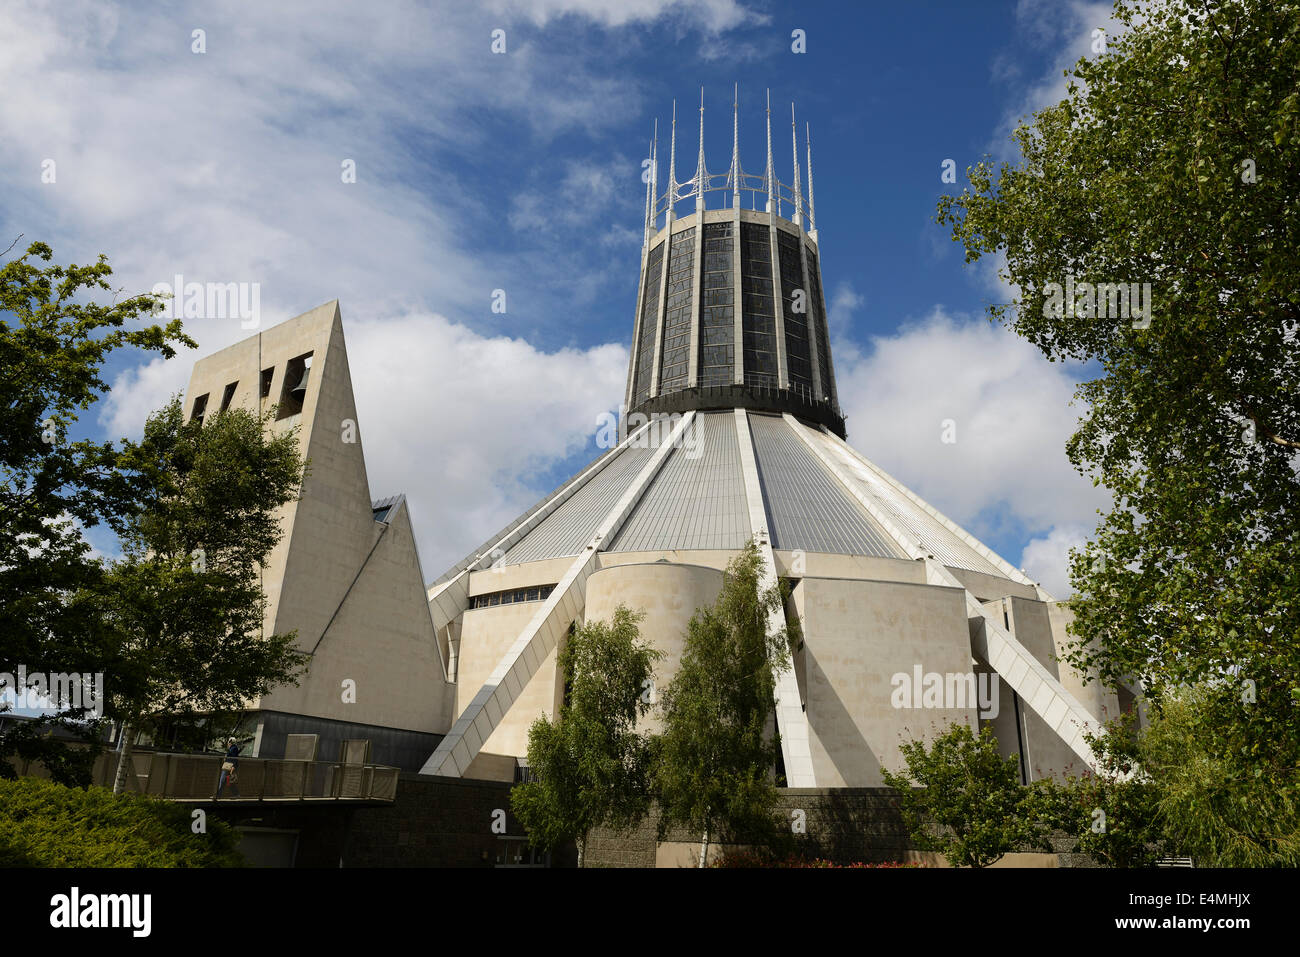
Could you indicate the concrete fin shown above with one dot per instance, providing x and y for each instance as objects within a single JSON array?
[
  {"x": 520, "y": 663},
  {"x": 1016, "y": 665},
  {"x": 791, "y": 720}
]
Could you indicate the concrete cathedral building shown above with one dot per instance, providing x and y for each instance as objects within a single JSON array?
[{"x": 733, "y": 431}]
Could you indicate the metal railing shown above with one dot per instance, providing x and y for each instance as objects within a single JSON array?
[{"x": 198, "y": 777}]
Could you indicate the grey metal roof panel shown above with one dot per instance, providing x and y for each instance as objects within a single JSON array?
[
  {"x": 907, "y": 515},
  {"x": 568, "y": 529},
  {"x": 506, "y": 530},
  {"x": 697, "y": 500},
  {"x": 807, "y": 507}
]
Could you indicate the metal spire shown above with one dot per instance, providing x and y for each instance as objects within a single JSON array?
[
  {"x": 654, "y": 178},
  {"x": 735, "y": 147},
  {"x": 794, "y": 146},
  {"x": 768, "y": 173},
  {"x": 701, "y": 174},
  {"x": 649, "y": 191},
  {"x": 812, "y": 205},
  {"x": 672, "y": 167}
]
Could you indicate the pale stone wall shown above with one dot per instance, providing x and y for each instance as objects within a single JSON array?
[
  {"x": 1046, "y": 755},
  {"x": 486, "y": 636},
  {"x": 335, "y": 567},
  {"x": 857, "y": 635},
  {"x": 986, "y": 587},
  {"x": 504, "y": 577},
  {"x": 1102, "y": 702},
  {"x": 383, "y": 641},
  {"x": 669, "y": 595}
]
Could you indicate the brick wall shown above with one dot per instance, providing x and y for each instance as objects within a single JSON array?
[
  {"x": 438, "y": 822},
  {"x": 842, "y": 825},
  {"x": 447, "y": 822}
]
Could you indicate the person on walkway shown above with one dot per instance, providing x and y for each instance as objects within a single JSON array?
[{"x": 230, "y": 769}]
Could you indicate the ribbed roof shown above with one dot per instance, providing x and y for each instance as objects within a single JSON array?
[
  {"x": 910, "y": 518},
  {"x": 698, "y": 498},
  {"x": 807, "y": 507},
  {"x": 567, "y": 530},
  {"x": 382, "y": 507},
  {"x": 696, "y": 501}
]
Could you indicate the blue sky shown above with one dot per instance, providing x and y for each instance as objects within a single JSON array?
[{"x": 521, "y": 171}]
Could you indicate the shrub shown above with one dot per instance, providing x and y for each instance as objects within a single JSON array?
[
  {"x": 959, "y": 796},
  {"x": 44, "y": 824},
  {"x": 1112, "y": 813},
  {"x": 752, "y": 858}
]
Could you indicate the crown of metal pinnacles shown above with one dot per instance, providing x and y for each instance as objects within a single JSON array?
[{"x": 730, "y": 312}]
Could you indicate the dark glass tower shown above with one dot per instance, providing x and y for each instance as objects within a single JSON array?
[{"x": 730, "y": 312}]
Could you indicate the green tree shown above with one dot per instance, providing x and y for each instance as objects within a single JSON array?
[
  {"x": 591, "y": 766},
  {"x": 1175, "y": 160},
  {"x": 1113, "y": 814},
  {"x": 960, "y": 797},
  {"x": 182, "y": 623},
  {"x": 1215, "y": 803},
  {"x": 54, "y": 343},
  {"x": 715, "y": 758}
]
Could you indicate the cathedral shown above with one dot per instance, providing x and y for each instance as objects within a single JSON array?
[{"x": 731, "y": 431}]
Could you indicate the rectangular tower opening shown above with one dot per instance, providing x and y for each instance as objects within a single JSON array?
[{"x": 294, "y": 389}]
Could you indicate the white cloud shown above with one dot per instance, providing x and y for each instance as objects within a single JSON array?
[
  {"x": 839, "y": 311},
  {"x": 710, "y": 15},
  {"x": 463, "y": 423},
  {"x": 1010, "y": 407},
  {"x": 1063, "y": 27},
  {"x": 570, "y": 199},
  {"x": 1047, "y": 558},
  {"x": 225, "y": 167}
]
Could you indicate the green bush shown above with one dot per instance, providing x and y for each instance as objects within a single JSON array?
[
  {"x": 960, "y": 797},
  {"x": 1112, "y": 813},
  {"x": 43, "y": 824},
  {"x": 751, "y": 858}
]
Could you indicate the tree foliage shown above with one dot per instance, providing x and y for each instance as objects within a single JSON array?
[
  {"x": 1175, "y": 161},
  {"x": 1113, "y": 813},
  {"x": 591, "y": 766},
  {"x": 54, "y": 343},
  {"x": 44, "y": 824},
  {"x": 182, "y": 623},
  {"x": 717, "y": 752},
  {"x": 960, "y": 797},
  {"x": 1216, "y": 802},
  {"x": 175, "y": 624}
]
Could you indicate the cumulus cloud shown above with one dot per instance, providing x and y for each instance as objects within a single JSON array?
[
  {"x": 464, "y": 430},
  {"x": 1047, "y": 558},
  {"x": 1063, "y": 26},
  {"x": 225, "y": 166},
  {"x": 713, "y": 16},
  {"x": 1008, "y": 409},
  {"x": 839, "y": 311}
]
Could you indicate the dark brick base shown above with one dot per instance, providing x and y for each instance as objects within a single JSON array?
[
  {"x": 842, "y": 825},
  {"x": 447, "y": 822}
]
